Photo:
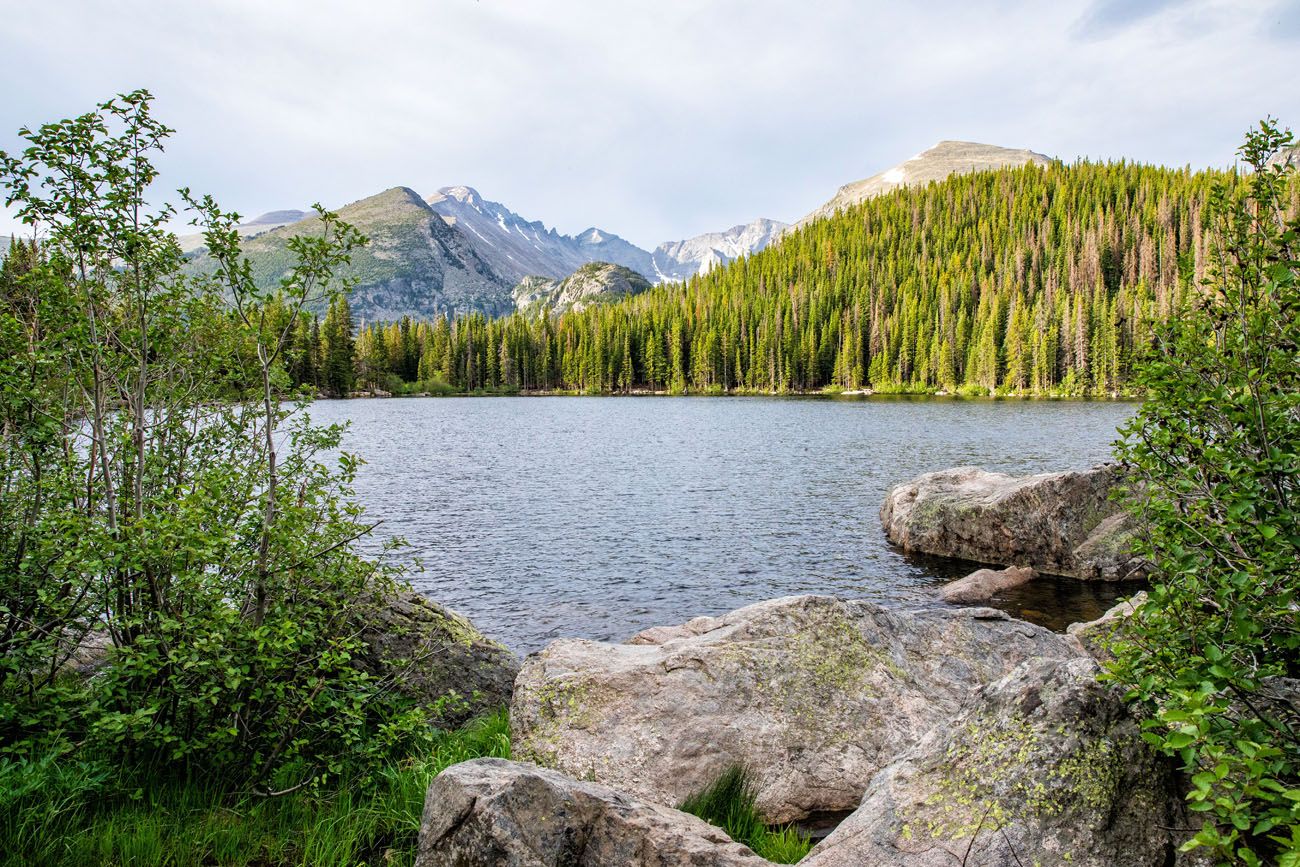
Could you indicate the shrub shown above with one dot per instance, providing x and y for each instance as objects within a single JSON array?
[
  {"x": 1214, "y": 458},
  {"x": 160, "y": 497}
]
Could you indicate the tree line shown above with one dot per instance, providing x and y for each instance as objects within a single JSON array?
[{"x": 1034, "y": 280}]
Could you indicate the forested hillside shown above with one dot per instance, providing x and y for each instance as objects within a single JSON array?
[{"x": 1033, "y": 280}]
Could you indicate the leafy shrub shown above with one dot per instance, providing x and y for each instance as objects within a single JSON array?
[
  {"x": 1214, "y": 458},
  {"x": 159, "y": 496}
]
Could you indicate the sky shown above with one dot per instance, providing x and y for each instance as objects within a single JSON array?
[{"x": 652, "y": 119}]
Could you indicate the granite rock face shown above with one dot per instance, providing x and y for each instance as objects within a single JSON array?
[
  {"x": 496, "y": 813},
  {"x": 433, "y": 652},
  {"x": 813, "y": 694},
  {"x": 1044, "y": 767},
  {"x": 1057, "y": 523}
]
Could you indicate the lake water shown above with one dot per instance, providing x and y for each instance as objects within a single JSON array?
[{"x": 543, "y": 517}]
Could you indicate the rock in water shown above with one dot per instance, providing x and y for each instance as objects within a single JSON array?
[
  {"x": 813, "y": 694},
  {"x": 1045, "y": 767},
  {"x": 433, "y": 652},
  {"x": 983, "y": 584},
  {"x": 495, "y": 813},
  {"x": 1058, "y": 523}
]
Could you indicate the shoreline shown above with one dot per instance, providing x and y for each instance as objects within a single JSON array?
[{"x": 826, "y": 395}]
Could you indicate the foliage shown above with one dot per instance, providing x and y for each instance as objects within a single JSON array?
[
  {"x": 728, "y": 803},
  {"x": 159, "y": 498},
  {"x": 1035, "y": 280},
  {"x": 66, "y": 812},
  {"x": 1214, "y": 459}
]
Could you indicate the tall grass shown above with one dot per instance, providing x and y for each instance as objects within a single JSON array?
[
  {"x": 71, "y": 812},
  {"x": 729, "y": 804}
]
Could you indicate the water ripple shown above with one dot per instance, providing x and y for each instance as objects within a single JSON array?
[{"x": 598, "y": 517}]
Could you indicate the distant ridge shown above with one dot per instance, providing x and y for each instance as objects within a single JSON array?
[
  {"x": 517, "y": 248},
  {"x": 945, "y": 159},
  {"x": 416, "y": 263},
  {"x": 681, "y": 260},
  {"x": 595, "y": 282},
  {"x": 279, "y": 218}
]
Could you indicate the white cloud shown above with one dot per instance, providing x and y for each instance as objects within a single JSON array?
[{"x": 654, "y": 119}]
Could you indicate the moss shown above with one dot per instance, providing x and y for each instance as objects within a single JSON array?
[
  {"x": 826, "y": 661},
  {"x": 561, "y": 705},
  {"x": 1002, "y": 770}
]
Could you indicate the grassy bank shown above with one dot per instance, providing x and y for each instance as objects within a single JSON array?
[{"x": 74, "y": 812}]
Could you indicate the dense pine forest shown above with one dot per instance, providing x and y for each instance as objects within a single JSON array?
[{"x": 1033, "y": 280}]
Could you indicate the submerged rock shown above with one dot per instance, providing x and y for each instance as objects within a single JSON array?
[
  {"x": 438, "y": 658},
  {"x": 1044, "y": 767},
  {"x": 497, "y": 813},
  {"x": 813, "y": 694},
  {"x": 983, "y": 584},
  {"x": 1058, "y": 523}
]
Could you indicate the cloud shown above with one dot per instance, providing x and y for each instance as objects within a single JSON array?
[
  {"x": 1103, "y": 18},
  {"x": 654, "y": 119},
  {"x": 1282, "y": 21}
]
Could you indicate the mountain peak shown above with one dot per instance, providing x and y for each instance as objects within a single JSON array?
[
  {"x": 277, "y": 218},
  {"x": 461, "y": 193},
  {"x": 948, "y": 157}
]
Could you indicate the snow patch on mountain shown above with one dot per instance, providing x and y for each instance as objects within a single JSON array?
[{"x": 681, "y": 260}]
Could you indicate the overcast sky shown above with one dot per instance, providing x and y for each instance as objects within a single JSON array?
[{"x": 653, "y": 119}]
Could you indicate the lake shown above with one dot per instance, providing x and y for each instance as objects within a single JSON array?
[{"x": 541, "y": 517}]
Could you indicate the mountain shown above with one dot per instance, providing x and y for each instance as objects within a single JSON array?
[
  {"x": 598, "y": 246},
  {"x": 593, "y": 283},
  {"x": 945, "y": 159},
  {"x": 256, "y": 226},
  {"x": 415, "y": 264},
  {"x": 517, "y": 248},
  {"x": 1023, "y": 281},
  {"x": 681, "y": 260},
  {"x": 277, "y": 218},
  {"x": 1286, "y": 156}
]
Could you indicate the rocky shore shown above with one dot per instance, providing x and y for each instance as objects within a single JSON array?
[{"x": 946, "y": 734}]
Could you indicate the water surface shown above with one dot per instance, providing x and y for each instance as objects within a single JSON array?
[{"x": 597, "y": 517}]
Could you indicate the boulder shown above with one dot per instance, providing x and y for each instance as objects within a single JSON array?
[
  {"x": 983, "y": 584},
  {"x": 1093, "y": 635},
  {"x": 1107, "y": 553},
  {"x": 813, "y": 694},
  {"x": 1058, "y": 523},
  {"x": 497, "y": 813},
  {"x": 437, "y": 657},
  {"x": 1045, "y": 767}
]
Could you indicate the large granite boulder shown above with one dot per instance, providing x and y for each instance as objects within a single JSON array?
[
  {"x": 495, "y": 813},
  {"x": 1058, "y": 523},
  {"x": 813, "y": 694},
  {"x": 1045, "y": 767},
  {"x": 437, "y": 657}
]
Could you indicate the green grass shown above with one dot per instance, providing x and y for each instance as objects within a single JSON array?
[
  {"x": 73, "y": 812},
  {"x": 729, "y": 804}
]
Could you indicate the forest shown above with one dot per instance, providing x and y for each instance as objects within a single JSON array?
[{"x": 1038, "y": 281}]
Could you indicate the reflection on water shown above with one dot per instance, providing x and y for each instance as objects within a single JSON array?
[{"x": 598, "y": 517}]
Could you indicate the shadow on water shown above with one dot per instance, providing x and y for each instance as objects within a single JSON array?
[{"x": 1050, "y": 601}]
